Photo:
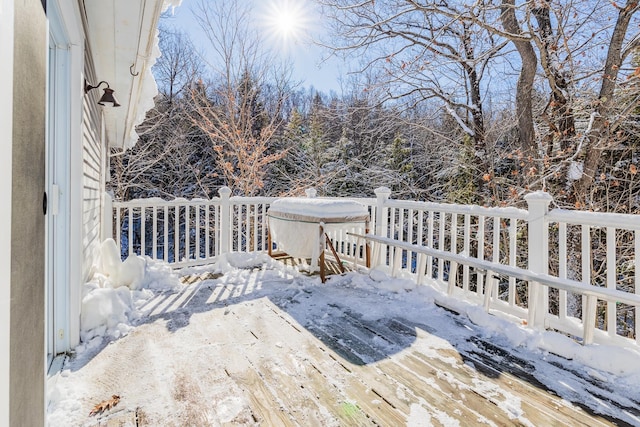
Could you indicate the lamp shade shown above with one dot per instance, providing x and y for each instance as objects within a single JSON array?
[{"x": 108, "y": 99}]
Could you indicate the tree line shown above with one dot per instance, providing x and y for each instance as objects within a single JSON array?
[{"x": 449, "y": 101}]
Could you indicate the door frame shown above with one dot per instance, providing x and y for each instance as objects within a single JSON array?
[{"x": 57, "y": 185}]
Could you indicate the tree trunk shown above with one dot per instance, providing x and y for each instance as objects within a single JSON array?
[
  {"x": 598, "y": 136},
  {"x": 524, "y": 105},
  {"x": 562, "y": 122},
  {"x": 474, "y": 92}
]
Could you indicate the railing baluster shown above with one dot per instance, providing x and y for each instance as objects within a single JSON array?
[
  {"x": 480, "y": 237},
  {"x": 454, "y": 233},
  {"x": 636, "y": 282},
  {"x": 237, "y": 239},
  {"x": 392, "y": 225},
  {"x": 154, "y": 242},
  {"x": 466, "y": 247},
  {"x": 255, "y": 227},
  {"x": 143, "y": 231},
  {"x": 264, "y": 226},
  {"x": 453, "y": 248},
  {"x": 165, "y": 251},
  {"x": 401, "y": 235},
  {"x": 197, "y": 227},
  {"x": 612, "y": 323},
  {"x": 176, "y": 236},
  {"x": 217, "y": 229},
  {"x": 130, "y": 232},
  {"x": 392, "y": 234},
  {"x": 410, "y": 239},
  {"x": 422, "y": 260},
  {"x": 430, "y": 244},
  {"x": 513, "y": 234},
  {"x": 442, "y": 217},
  {"x": 586, "y": 271},
  {"x": 562, "y": 269},
  {"x": 589, "y": 316},
  {"x": 207, "y": 231},
  {"x": 187, "y": 233},
  {"x": 495, "y": 256},
  {"x": 247, "y": 227}
]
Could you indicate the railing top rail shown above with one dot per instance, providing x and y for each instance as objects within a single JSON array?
[
  {"x": 509, "y": 212},
  {"x": 249, "y": 200},
  {"x": 254, "y": 199},
  {"x": 150, "y": 202},
  {"x": 156, "y": 201},
  {"x": 595, "y": 219},
  {"x": 365, "y": 200},
  {"x": 602, "y": 293}
]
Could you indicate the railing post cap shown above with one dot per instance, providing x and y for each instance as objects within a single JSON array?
[
  {"x": 538, "y": 196},
  {"x": 311, "y": 192},
  {"x": 224, "y": 191},
  {"x": 382, "y": 191}
]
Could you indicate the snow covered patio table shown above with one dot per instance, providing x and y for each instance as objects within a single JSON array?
[{"x": 301, "y": 226}]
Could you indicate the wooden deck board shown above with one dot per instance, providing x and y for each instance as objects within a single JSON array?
[
  {"x": 334, "y": 366},
  {"x": 383, "y": 392}
]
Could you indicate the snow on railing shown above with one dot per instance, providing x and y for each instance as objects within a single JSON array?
[
  {"x": 486, "y": 233},
  {"x": 597, "y": 249},
  {"x": 601, "y": 250},
  {"x": 190, "y": 232},
  {"x": 567, "y": 245}
]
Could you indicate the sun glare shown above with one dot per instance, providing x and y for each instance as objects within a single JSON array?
[{"x": 286, "y": 21}]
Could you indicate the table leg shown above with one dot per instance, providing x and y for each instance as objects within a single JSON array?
[
  {"x": 335, "y": 254},
  {"x": 367, "y": 247},
  {"x": 321, "y": 257}
]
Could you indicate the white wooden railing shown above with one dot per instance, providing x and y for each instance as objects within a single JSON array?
[
  {"x": 190, "y": 232},
  {"x": 566, "y": 247}
]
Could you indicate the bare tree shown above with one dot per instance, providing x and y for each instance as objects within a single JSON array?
[
  {"x": 169, "y": 159},
  {"x": 179, "y": 66},
  {"x": 230, "y": 108},
  {"x": 607, "y": 116},
  {"x": 421, "y": 51}
]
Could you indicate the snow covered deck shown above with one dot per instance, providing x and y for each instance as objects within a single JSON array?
[{"x": 259, "y": 344}]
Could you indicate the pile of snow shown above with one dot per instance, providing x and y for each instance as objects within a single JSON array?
[
  {"x": 320, "y": 208},
  {"x": 614, "y": 360},
  {"x": 292, "y": 223},
  {"x": 111, "y": 298}
]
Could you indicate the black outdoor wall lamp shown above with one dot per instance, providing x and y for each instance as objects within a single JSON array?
[{"x": 107, "y": 98}]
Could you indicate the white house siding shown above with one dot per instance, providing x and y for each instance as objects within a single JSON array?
[{"x": 92, "y": 174}]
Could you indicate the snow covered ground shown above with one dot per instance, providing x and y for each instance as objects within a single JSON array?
[{"x": 140, "y": 338}]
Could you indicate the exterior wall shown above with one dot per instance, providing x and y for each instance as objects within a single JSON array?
[
  {"x": 6, "y": 136},
  {"x": 93, "y": 153},
  {"x": 27, "y": 351}
]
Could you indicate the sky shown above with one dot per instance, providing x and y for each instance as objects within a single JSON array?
[
  {"x": 289, "y": 27},
  {"x": 172, "y": 351}
]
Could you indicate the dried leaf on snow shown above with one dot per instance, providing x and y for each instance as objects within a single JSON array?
[{"x": 105, "y": 405}]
